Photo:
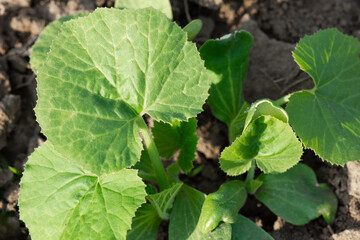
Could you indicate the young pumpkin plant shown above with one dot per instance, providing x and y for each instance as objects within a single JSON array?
[{"x": 99, "y": 74}]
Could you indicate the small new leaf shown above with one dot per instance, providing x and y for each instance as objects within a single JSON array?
[
  {"x": 222, "y": 205},
  {"x": 296, "y": 196},
  {"x": 327, "y": 118},
  {"x": 145, "y": 224},
  {"x": 265, "y": 107},
  {"x": 178, "y": 136},
  {"x": 268, "y": 140},
  {"x": 184, "y": 220},
  {"x": 163, "y": 201}
]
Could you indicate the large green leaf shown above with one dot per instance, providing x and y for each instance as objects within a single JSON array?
[
  {"x": 244, "y": 229},
  {"x": 226, "y": 60},
  {"x": 106, "y": 70},
  {"x": 327, "y": 118},
  {"x": 296, "y": 196},
  {"x": 185, "y": 217},
  {"x": 162, "y": 5},
  {"x": 222, "y": 205},
  {"x": 59, "y": 200},
  {"x": 268, "y": 140},
  {"x": 163, "y": 201},
  {"x": 177, "y": 136},
  {"x": 42, "y": 45},
  {"x": 145, "y": 224}
]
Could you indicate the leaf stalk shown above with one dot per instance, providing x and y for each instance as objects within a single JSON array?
[{"x": 153, "y": 154}]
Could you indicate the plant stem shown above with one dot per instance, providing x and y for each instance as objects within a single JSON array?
[
  {"x": 283, "y": 100},
  {"x": 153, "y": 154},
  {"x": 251, "y": 173}
]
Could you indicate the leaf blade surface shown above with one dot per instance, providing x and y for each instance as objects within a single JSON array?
[
  {"x": 327, "y": 118},
  {"x": 296, "y": 196},
  {"x": 268, "y": 140},
  {"x": 101, "y": 75},
  {"x": 226, "y": 60},
  {"x": 59, "y": 200}
]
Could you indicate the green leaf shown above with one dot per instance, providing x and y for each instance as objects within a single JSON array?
[
  {"x": 193, "y": 28},
  {"x": 59, "y": 200},
  {"x": 145, "y": 224},
  {"x": 163, "y": 201},
  {"x": 162, "y": 5},
  {"x": 106, "y": 70},
  {"x": 245, "y": 229},
  {"x": 43, "y": 43},
  {"x": 173, "y": 171},
  {"x": 237, "y": 125},
  {"x": 178, "y": 136},
  {"x": 265, "y": 107},
  {"x": 222, "y": 205},
  {"x": 185, "y": 217},
  {"x": 296, "y": 196},
  {"x": 226, "y": 60},
  {"x": 268, "y": 140},
  {"x": 327, "y": 118}
]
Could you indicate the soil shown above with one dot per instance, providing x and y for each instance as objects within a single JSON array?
[{"x": 276, "y": 25}]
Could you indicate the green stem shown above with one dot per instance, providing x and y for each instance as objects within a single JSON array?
[
  {"x": 153, "y": 154},
  {"x": 283, "y": 100},
  {"x": 250, "y": 174}
]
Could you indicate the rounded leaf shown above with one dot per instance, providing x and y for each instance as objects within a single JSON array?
[
  {"x": 327, "y": 118},
  {"x": 268, "y": 140},
  {"x": 59, "y": 200},
  {"x": 106, "y": 70}
]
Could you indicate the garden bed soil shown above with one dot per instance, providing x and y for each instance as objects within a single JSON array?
[{"x": 276, "y": 27}]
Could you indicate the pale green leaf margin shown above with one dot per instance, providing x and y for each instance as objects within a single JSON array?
[
  {"x": 162, "y": 5},
  {"x": 42, "y": 46}
]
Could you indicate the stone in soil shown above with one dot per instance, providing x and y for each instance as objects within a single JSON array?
[
  {"x": 212, "y": 4},
  {"x": 353, "y": 169}
]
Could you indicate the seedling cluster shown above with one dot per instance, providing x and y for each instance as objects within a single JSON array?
[{"x": 102, "y": 72}]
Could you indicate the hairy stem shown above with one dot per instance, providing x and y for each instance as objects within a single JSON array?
[{"x": 153, "y": 154}]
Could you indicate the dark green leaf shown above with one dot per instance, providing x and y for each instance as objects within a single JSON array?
[
  {"x": 222, "y": 205},
  {"x": 244, "y": 229},
  {"x": 296, "y": 196},
  {"x": 327, "y": 118},
  {"x": 185, "y": 217},
  {"x": 145, "y": 224},
  {"x": 226, "y": 60},
  {"x": 178, "y": 136}
]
